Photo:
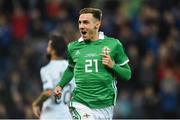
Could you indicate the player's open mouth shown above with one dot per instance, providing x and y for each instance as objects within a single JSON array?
[{"x": 84, "y": 32}]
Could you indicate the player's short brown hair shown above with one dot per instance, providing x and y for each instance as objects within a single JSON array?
[{"x": 97, "y": 13}]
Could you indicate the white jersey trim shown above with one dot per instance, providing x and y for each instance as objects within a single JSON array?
[
  {"x": 115, "y": 91},
  {"x": 101, "y": 36},
  {"x": 125, "y": 62}
]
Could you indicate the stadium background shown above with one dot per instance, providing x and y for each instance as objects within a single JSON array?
[{"x": 148, "y": 29}]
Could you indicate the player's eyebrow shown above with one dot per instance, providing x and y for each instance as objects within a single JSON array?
[{"x": 83, "y": 21}]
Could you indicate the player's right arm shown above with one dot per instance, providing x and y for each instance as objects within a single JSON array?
[{"x": 67, "y": 76}]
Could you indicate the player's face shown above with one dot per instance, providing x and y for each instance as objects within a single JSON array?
[{"x": 88, "y": 26}]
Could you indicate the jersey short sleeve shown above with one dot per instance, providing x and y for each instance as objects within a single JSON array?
[
  {"x": 121, "y": 57},
  {"x": 46, "y": 79}
]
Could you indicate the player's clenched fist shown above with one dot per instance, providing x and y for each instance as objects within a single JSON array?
[{"x": 57, "y": 91}]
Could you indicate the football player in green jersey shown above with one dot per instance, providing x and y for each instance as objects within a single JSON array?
[{"x": 95, "y": 61}]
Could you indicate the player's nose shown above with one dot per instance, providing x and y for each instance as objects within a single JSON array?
[{"x": 81, "y": 26}]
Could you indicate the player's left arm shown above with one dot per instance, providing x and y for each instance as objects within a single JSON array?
[
  {"x": 122, "y": 71},
  {"x": 119, "y": 64}
]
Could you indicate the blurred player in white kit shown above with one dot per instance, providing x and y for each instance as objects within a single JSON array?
[{"x": 53, "y": 108}]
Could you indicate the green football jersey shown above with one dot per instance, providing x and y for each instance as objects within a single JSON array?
[{"x": 95, "y": 83}]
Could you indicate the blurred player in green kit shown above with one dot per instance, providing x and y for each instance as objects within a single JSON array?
[{"x": 95, "y": 61}]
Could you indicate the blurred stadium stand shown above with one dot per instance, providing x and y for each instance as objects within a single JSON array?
[{"x": 149, "y": 30}]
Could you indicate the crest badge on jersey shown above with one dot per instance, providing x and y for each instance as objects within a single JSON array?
[{"x": 106, "y": 50}]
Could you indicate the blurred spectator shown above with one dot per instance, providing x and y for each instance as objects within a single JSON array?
[
  {"x": 20, "y": 24},
  {"x": 3, "y": 113},
  {"x": 147, "y": 71},
  {"x": 36, "y": 24},
  {"x": 123, "y": 108},
  {"x": 53, "y": 8},
  {"x": 28, "y": 112},
  {"x": 168, "y": 95},
  {"x": 150, "y": 105},
  {"x": 137, "y": 104},
  {"x": 16, "y": 109},
  {"x": 135, "y": 67},
  {"x": 5, "y": 40},
  {"x": 5, "y": 32}
]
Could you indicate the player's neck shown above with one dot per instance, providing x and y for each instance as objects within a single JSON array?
[
  {"x": 95, "y": 37},
  {"x": 54, "y": 57}
]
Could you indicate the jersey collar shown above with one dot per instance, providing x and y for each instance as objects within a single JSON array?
[{"x": 101, "y": 36}]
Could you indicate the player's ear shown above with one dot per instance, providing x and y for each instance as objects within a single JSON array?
[{"x": 98, "y": 23}]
